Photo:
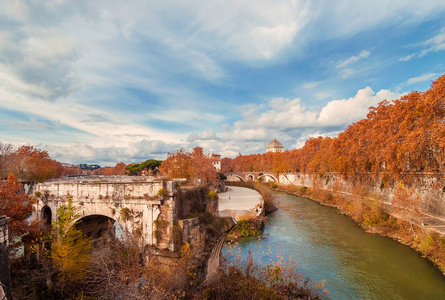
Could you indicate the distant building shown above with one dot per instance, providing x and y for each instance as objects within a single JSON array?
[
  {"x": 216, "y": 161},
  {"x": 275, "y": 146},
  {"x": 89, "y": 167}
]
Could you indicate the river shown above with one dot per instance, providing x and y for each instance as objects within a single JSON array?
[{"x": 354, "y": 263}]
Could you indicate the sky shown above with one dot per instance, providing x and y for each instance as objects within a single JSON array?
[{"x": 110, "y": 81}]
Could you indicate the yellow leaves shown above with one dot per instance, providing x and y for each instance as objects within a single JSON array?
[
  {"x": 185, "y": 250},
  {"x": 71, "y": 249}
]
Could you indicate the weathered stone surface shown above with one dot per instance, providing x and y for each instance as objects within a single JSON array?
[
  {"x": 5, "y": 279},
  {"x": 131, "y": 201},
  {"x": 206, "y": 236},
  {"x": 428, "y": 187}
]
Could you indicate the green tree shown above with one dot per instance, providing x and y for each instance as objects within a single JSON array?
[{"x": 71, "y": 248}]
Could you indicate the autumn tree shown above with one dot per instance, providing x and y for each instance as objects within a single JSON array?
[
  {"x": 70, "y": 248},
  {"x": 202, "y": 166},
  {"x": 395, "y": 139},
  {"x": 178, "y": 164},
  {"x": 5, "y": 152},
  {"x": 18, "y": 207},
  {"x": 32, "y": 164},
  {"x": 183, "y": 164},
  {"x": 118, "y": 169}
]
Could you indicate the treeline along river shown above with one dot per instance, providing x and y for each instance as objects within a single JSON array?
[{"x": 354, "y": 263}]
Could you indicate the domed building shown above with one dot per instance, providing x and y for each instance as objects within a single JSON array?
[{"x": 275, "y": 146}]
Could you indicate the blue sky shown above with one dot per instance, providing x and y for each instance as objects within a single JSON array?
[{"x": 110, "y": 81}]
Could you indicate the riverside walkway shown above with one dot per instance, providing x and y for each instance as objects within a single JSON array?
[{"x": 240, "y": 202}]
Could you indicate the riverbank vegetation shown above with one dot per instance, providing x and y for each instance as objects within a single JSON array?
[
  {"x": 127, "y": 270},
  {"x": 396, "y": 143},
  {"x": 247, "y": 228},
  {"x": 395, "y": 140},
  {"x": 244, "y": 277}
]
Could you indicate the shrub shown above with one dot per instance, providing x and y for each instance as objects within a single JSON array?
[
  {"x": 162, "y": 193},
  {"x": 126, "y": 213},
  {"x": 212, "y": 195},
  {"x": 250, "y": 227}
]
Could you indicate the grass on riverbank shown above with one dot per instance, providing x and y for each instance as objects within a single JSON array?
[
  {"x": 244, "y": 277},
  {"x": 374, "y": 217},
  {"x": 248, "y": 227}
]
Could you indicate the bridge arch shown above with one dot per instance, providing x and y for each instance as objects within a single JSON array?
[
  {"x": 229, "y": 177},
  {"x": 99, "y": 228},
  {"x": 250, "y": 177},
  {"x": 268, "y": 175},
  {"x": 46, "y": 214}
]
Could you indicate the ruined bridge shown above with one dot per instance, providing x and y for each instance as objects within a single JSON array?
[
  {"x": 251, "y": 176},
  {"x": 134, "y": 202}
]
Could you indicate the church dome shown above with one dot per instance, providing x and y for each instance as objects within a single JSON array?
[{"x": 275, "y": 146}]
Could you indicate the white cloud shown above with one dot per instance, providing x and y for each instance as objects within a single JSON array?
[
  {"x": 346, "y": 111},
  {"x": 345, "y": 73},
  {"x": 351, "y": 17},
  {"x": 73, "y": 62},
  {"x": 311, "y": 85},
  {"x": 345, "y": 69},
  {"x": 434, "y": 44},
  {"x": 407, "y": 58},
  {"x": 114, "y": 131},
  {"x": 304, "y": 137},
  {"x": 353, "y": 59},
  {"x": 110, "y": 155},
  {"x": 421, "y": 78},
  {"x": 288, "y": 121}
]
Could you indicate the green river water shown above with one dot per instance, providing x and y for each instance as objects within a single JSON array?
[{"x": 355, "y": 264}]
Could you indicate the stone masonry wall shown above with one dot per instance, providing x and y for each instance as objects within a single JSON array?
[
  {"x": 5, "y": 278},
  {"x": 430, "y": 190},
  {"x": 131, "y": 201}
]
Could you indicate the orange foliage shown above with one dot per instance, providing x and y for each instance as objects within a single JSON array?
[
  {"x": 183, "y": 164},
  {"x": 118, "y": 169},
  {"x": 395, "y": 139},
  {"x": 18, "y": 207},
  {"x": 32, "y": 164}
]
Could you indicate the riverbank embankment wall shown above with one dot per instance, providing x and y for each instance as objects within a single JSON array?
[{"x": 429, "y": 189}]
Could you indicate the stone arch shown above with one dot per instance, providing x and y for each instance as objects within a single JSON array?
[
  {"x": 250, "y": 177},
  {"x": 46, "y": 214},
  {"x": 99, "y": 228},
  {"x": 89, "y": 210},
  {"x": 268, "y": 175},
  {"x": 237, "y": 176}
]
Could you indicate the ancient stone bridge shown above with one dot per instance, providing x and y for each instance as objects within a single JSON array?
[
  {"x": 155, "y": 211},
  {"x": 141, "y": 205},
  {"x": 251, "y": 176}
]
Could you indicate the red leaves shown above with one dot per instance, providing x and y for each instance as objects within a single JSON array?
[
  {"x": 31, "y": 164},
  {"x": 405, "y": 135},
  {"x": 17, "y": 206},
  {"x": 183, "y": 164}
]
